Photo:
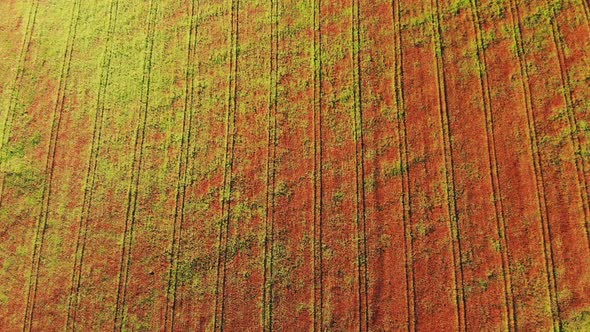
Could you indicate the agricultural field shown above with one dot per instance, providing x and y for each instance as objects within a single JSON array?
[{"x": 295, "y": 165}]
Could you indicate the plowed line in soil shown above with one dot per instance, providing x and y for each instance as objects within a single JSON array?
[
  {"x": 49, "y": 167},
  {"x": 270, "y": 169},
  {"x": 15, "y": 88},
  {"x": 183, "y": 161},
  {"x": 135, "y": 172},
  {"x": 362, "y": 255},
  {"x": 318, "y": 289},
  {"x": 449, "y": 171},
  {"x": 493, "y": 162},
  {"x": 586, "y": 7},
  {"x": 403, "y": 155},
  {"x": 573, "y": 123},
  {"x": 230, "y": 118},
  {"x": 74, "y": 298},
  {"x": 538, "y": 170}
]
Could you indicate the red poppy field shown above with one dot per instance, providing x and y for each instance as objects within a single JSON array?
[{"x": 289, "y": 165}]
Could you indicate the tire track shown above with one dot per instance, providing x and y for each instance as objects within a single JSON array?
[
  {"x": 538, "y": 170},
  {"x": 586, "y": 7},
  {"x": 271, "y": 170},
  {"x": 183, "y": 161},
  {"x": 318, "y": 290},
  {"x": 449, "y": 171},
  {"x": 362, "y": 254},
  {"x": 15, "y": 89},
  {"x": 230, "y": 118},
  {"x": 494, "y": 173},
  {"x": 119, "y": 320},
  {"x": 572, "y": 121},
  {"x": 49, "y": 167},
  {"x": 403, "y": 155},
  {"x": 74, "y": 297}
]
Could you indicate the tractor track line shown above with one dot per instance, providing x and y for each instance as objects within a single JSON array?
[
  {"x": 586, "y": 8},
  {"x": 183, "y": 161},
  {"x": 404, "y": 157},
  {"x": 267, "y": 313},
  {"x": 230, "y": 129},
  {"x": 49, "y": 168},
  {"x": 15, "y": 88},
  {"x": 318, "y": 289},
  {"x": 572, "y": 121},
  {"x": 494, "y": 173},
  {"x": 119, "y": 320},
  {"x": 361, "y": 218},
  {"x": 538, "y": 170},
  {"x": 74, "y": 297},
  {"x": 449, "y": 171}
]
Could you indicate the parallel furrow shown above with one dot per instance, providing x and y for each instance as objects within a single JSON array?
[
  {"x": 538, "y": 170},
  {"x": 449, "y": 171},
  {"x": 586, "y": 6},
  {"x": 271, "y": 169},
  {"x": 230, "y": 118},
  {"x": 74, "y": 297},
  {"x": 403, "y": 155},
  {"x": 574, "y": 130},
  {"x": 49, "y": 167},
  {"x": 362, "y": 254},
  {"x": 15, "y": 90},
  {"x": 318, "y": 289},
  {"x": 183, "y": 161},
  {"x": 132, "y": 194},
  {"x": 494, "y": 174}
]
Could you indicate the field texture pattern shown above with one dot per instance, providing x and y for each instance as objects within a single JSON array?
[{"x": 294, "y": 165}]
